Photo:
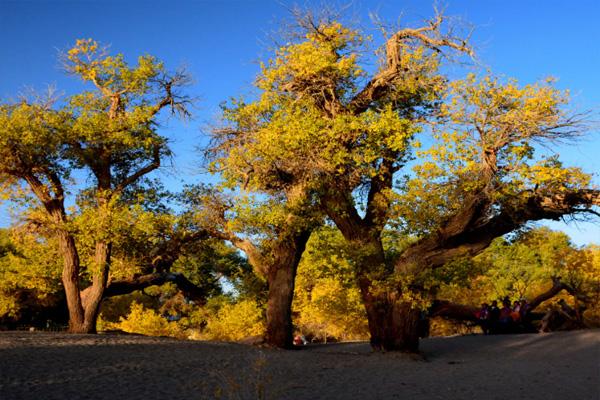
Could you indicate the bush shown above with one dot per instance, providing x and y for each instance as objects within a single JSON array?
[
  {"x": 235, "y": 321},
  {"x": 145, "y": 322}
]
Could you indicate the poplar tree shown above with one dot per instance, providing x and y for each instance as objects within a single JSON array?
[
  {"x": 324, "y": 120},
  {"x": 109, "y": 132}
]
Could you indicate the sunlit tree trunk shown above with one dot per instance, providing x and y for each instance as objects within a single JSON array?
[
  {"x": 279, "y": 330},
  {"x": 281, "y": 279},
  {"x": 94, "y": 294},
  {"x": 70, "y": 280},
  {"x": 394, "y": 324}
]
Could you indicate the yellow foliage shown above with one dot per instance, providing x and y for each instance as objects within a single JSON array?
[
  {"x": 235, "y": 321},
  {"x": 145, "y": 322}
]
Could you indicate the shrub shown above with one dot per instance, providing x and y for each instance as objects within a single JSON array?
[{"x": 235, "y": 321}]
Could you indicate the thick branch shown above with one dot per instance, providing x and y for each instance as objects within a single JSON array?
[
  {"x": 383, "y": 83},
  {"x": 463, "y": 312},
  {"x": 447, "y": 309},
  {"x": 470, "y": 231},
  {"x": 340, "y": 208},
  {"x": 255, "y": 257},
  {"x": 189, "y": 289},
  {"x": 378, "y": 203},
  {"x": 154, "y": 164},
  {"x": 557, "y": 287}
]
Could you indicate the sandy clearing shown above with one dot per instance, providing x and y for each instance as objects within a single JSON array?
[{"x": 562, "y": 365}]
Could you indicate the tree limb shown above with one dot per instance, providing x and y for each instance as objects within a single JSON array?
[
  {"x": 154, "y": 164},
  {"x": 382, "y": 83},
  {"x": 471, "y": 230},
  {"x": 463, "y": 312},
  {"x": 126, "y": 286}
]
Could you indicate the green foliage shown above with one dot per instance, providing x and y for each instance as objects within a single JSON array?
[
  {"x": 521, "y": 268},
  {"x": 490, "y": 141},
  {"x": 109, "y": 134}
]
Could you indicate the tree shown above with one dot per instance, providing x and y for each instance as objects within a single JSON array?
[
  {"x": 109, "y": 132},
  {"x": 536, "y": 265},
  {"x": 353, "y": 132},
  {"x": 30, "y": 268},
  {"x": 271, "y": 225}
]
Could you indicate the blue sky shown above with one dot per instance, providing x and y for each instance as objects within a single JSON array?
[{"x": 220, "y": 43}]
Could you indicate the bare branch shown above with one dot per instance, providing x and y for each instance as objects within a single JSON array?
[
  {"x": 154, "y": 164},
  {"x": 430, "y": 36}
]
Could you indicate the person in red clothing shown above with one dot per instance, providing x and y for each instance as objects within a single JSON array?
[{"x": 516, "y": 312}]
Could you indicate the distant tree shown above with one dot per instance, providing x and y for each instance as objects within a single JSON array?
[
  {"x": 535, "y": 265},
  {"x": 327, "y": 300},
  {"x": 110, "y": 133},
  {"x": 30, "y": 269}
]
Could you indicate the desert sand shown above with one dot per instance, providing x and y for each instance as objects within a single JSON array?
[{"x": 562, "y": 365}]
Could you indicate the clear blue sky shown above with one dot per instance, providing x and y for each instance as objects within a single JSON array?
[{"x": 220, "y": 42}]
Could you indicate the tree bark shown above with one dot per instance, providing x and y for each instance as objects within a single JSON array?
[
  {"x": 70, "y": 280},
  {"x": 281, "y": 279},
  {"x": 94, "y": 294},
  {"x": 394, "y": 325},
  {"x": 126, "y": 286}
]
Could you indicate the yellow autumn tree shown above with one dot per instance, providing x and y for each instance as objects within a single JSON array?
[
  {"x": 108, "y": 131},
  {"x": 322, "y": 120}
]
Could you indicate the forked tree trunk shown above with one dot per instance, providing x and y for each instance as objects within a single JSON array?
[
  {"x": 83, "y": 306},
  {"x": 94, "y": 294},
  {"x": 394, "y": 325},
  {"x": 281, "y": 279}
]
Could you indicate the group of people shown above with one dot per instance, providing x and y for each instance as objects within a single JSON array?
[{"x": 494, "y": 320}]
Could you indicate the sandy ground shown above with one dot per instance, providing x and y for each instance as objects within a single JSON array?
[{"x": 59, "y": 366}]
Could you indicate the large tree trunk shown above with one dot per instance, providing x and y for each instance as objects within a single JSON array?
[
  {"x": 279, "y": 332},
  {"x": 70, "y": 280},
  {"x": 281, "y": 279},
  {"x": 393, "y": 325},
  {"x": 93, "y": 295}
]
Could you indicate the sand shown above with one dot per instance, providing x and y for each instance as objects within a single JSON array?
[{"x": 562, "y": 365}]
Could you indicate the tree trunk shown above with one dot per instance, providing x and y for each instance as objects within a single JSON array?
[
  {"x": 70, "y": 280},
  {"x": 281, "y": 279},
  {"x": 93, "y": 296},
  {"x": 394, "y": 325},
  {"x": 279, "y": 331}
]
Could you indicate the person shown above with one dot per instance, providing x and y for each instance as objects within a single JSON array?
[
  {"x": 299, "y": 340},
  {"x": 483, "y": 315},
  {"x": 525, "y": 317},
  {"x": 524, "y": 308},
  {"x": 493, "y": 317},
  {"x": 505, "y": 320},
  {"x": 516, "y": 312}
]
